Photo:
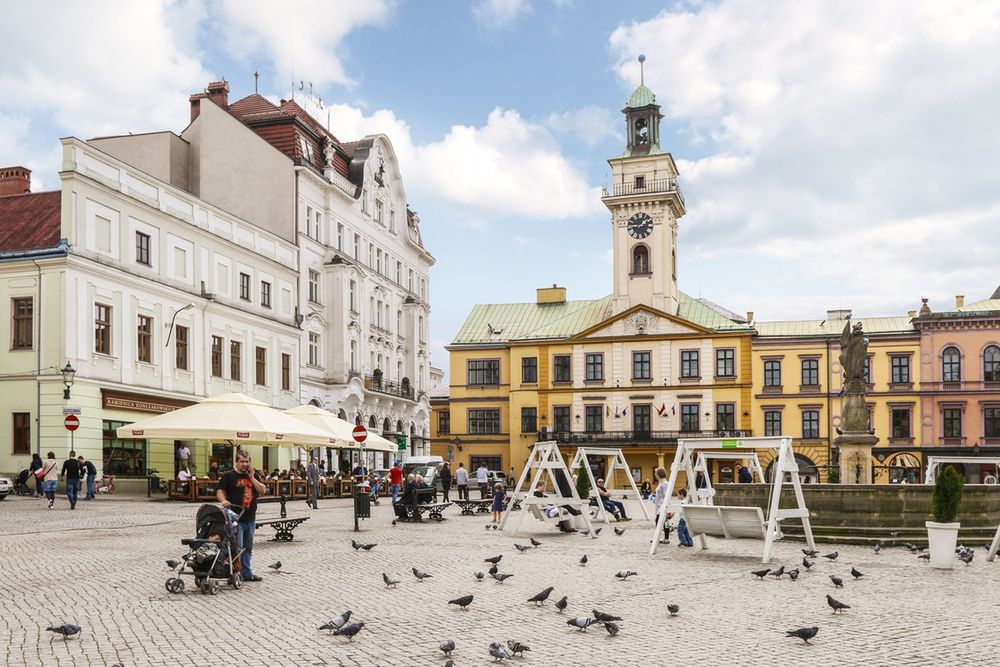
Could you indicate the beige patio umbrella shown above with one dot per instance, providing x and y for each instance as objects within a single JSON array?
[
  {"x": 234, "y": 417},
  {"x": 339, "y": 429}
]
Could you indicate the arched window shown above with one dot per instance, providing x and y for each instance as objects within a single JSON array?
[
  {"x": 341, "y": 414},
  {"x": 951, "y": 365},
  {"x": 641, "y": 131},
  {"x": 386, "y": 426},
  {"x": 357, "y": 419},
  {"x": 991, "y": 364},
  {"x": 640, "y": 259},
  {"x": 371, "y": 422},
  {"x": 399, "y": 426}
]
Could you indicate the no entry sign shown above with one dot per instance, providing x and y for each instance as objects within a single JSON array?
[
  {"x": 360, "y": 433},
  {"x": 72, "y": 422}
]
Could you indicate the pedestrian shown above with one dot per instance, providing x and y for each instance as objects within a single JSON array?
[
  {"x": 498, "y": 497},
  {"x": 743, "y": 474},
  {"x": 88, "y": 468},
  {"x": 240, "y": 487},
  {"x": 646, "y": 490},
  {"x": 50, "y": 478},
  {"x": 312, "y": 474},
  {"x": 36, "y": 464},
  {"x": 483, "y": 479},
  {"x": 395, "y": 480},
  {"x": 71, "y": 471},
  {"x": 182, "y": 456},
  {"x": 462, "y": 480},
  {"x": 660, "y": 498},
  {"x": 445, "y": 481},
  {"x": 615, "y": 507},
  {"x": 683, "y": 536}
]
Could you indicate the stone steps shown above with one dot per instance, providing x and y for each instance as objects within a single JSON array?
[{"x": 867, "y": 535}]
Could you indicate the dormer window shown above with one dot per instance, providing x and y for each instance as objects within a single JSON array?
[{"x": 307, "y": 153}]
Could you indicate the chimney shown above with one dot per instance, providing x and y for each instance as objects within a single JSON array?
[
  {"x": 195, "y": 101},
  {"x": 749, "y": 317},
  {"x": 554, "y": 294},
  {"x": 15, "y": 181},
  {"x": 217, "y": 91},
  {"x": 959, "y": 301},
  {"x": 840, "y": 314}
]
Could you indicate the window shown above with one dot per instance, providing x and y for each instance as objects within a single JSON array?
[
  {"x": 217, "y": 356},
  {"x": 810, "y": 424},
  {"x": 354, "y": 356},
  {"x": 594, "y": 367},
  {"x": 561, "y": 368},
  {"x": 340, "y": 236},
  {"x": 144, "y": 339},
  {"x": 900, "y": 370},
  {"x": 642, "y": 420},
  {"x": 378, "y": 261},
  {"x": 265, "y": 294},
  {"x": 409, "y": 280},
  {"x": 725, "y": 416},
  {"x": 102, "y": 328},
  {"x": 725, "y": 363},
  {"x": 378, "y": 211},
  {"x": 260, "y": 377},
  {"x": 313, "y": 348},
  {"x": 560, "y": 419},
  {"x": 951, "y": 365},
  {"x": 306, "y": 148},
  {"x": 484, "y": 422},
  {"x": 640, "y": 260},
  {"x": 352, "y": 296},
  {"x": 122, "y": 458},
  {"x": 901, "y": 422},
  {"x": 142, "y": 248},
  {"x": 529, "y": 370},
  {"x": 245, "y": 286},
  {"x": 991, "y": 364},
  {"x": 364, "y": 200},
  {"x": 689, "y": 364},
  {"x": 371, "y": 255},
  {"x": 641, "y": 362},
  {"x": 235, "y": 360},
  {"x": 314, "y": 286},
  {"x": 357, "y": 247},
  {"x": 951, "y": 419},
  {"x": 22, "y": 433},
  {"x": 810, "y": 373},
  {"x": 640, "y": 182},
  {"x": 772, "y": 423},
  {"x": 991, "y": 422},
  {"x": 286, "y": 372},
  {"x": 181, "y": 347},
  {"x": 484, "y": 372},
  {"x": 22, "y": 326},
  {"x": 772, "y": 373},
  {"x": 689, "y": 417},
  {"x": 866, "y": 372},
  {"x": 529, "y": 420},
  {"x": 399, "y": 323},
  {"x": 594, "y": 419},
  {"x": 399, "y": 272}
]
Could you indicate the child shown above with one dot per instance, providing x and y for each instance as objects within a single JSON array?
[
  {"x": 498, "y": 498},
  {"x": 660, "y": 498},
  {"x": 682, "y": 532}
]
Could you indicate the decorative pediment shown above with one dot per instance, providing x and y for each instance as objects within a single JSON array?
[{"x": 642, "y": 321}]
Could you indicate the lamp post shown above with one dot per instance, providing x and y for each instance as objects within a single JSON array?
[{"x": 68, "y": 374}]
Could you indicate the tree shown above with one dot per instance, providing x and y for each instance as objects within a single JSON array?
[
  {"x": 947, "y": 495},
  {"x": 582, "y": 482}
]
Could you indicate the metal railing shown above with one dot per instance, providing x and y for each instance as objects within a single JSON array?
[
  {"x": 383, "y": 386},
  {"x": 659, "y": 185},
  {"x": 636, "y": 437}
]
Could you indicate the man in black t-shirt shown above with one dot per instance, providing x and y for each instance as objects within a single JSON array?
[
  {"x": 71, "y": 472},
  {"x": 241, "y": 488},
  {"x": 88, "y": 470}
]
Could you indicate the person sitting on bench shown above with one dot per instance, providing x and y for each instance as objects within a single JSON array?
[
  {"x": 613, "y": 506},
  {"x": 409, "y": 492},
  {"x": 553, "y": 511}
]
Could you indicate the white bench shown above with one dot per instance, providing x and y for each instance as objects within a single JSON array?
[
  {"x": 536, "y": 506},
  {"x": 721, "y": 521}
]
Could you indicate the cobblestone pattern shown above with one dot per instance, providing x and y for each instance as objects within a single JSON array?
[{"x": 102, "y": 567}]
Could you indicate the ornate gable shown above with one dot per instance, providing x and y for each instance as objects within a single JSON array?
[{"x": 642, "y": 321}]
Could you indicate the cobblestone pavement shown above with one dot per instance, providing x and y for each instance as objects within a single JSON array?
[{"x": 102, "y": 567}]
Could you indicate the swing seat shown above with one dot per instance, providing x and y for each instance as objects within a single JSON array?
[{"x": 727, "y": 522}]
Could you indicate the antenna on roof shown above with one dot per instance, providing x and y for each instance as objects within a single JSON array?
[
  {"x": 642, "y": 69},
  {"x": 256, "y": 77}
]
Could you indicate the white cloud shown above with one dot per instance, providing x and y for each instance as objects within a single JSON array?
[
  {"x": 590, "y": 124},
  {"x": 854, "y": 150},
  {"x": 498, "y": 14}
]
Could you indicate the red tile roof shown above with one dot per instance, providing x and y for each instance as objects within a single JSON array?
[{"x": 30, "y": 221}]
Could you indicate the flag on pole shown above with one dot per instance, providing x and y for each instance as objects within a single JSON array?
[
  {"x": 663, "y": 408},
  {"x": 673, "y": 409},
  {"x": 624, "y": 411}
]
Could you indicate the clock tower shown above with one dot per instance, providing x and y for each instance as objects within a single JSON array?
[{"x": 645, "y": 203}]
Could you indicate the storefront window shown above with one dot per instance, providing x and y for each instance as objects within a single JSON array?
[
  {"x": 221, "y": 460},
  {"x": 122, "y": 457}
]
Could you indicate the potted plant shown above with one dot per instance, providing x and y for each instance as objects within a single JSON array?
[
  {"x": 942, "y": 532},
  {"x": 582, "y": 482}
]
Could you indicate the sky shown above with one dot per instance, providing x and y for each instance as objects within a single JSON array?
[{"x": 833, "y": 155}]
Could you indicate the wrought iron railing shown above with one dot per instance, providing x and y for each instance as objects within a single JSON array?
[
  {"x": 636, "y": 437},
  {"x": 383, "y": 386},
  {"x": 658, "y": 185}
]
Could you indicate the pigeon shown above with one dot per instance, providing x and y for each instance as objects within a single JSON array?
[
  {"x": 561, "y": 604},
  {"x": 368, "y": 547},
  {"x": 811, "y": 553},
  {"x": 521, "y": 548},
  {"x": 389, "y": 583},
  {"x": 493, "y": 570},
  {"x": 760, "y": 574},
  {"x": 488, "y": 526},
  {"x": 832, "y": 556},
  {"x": 495, "y": 560},
  {"x": 337, "y": 623},
  {"x": 837, "y": 581},
  {"x": 394, "y": 522},
  {"x": 447, "y": 646},
  {"x": 479, "y": 574},
  {"x": 535, "y": 543},
  {"x": 619, "y": 531},
  {"x": 836, "y": 605},
  {"x": 894, "y": 533},
  {"x": 793, "y": 574},
  {"x": 583, "y": 561},
  {"x": 67, "y": 630},
  {"x": 581, "y": 623},
  {"x": 540, "y": 598},
  {"x": 966, "y": 557},
  {"x": 805, "y": 634},
  {"x": 517, "y": 647},
  {"x": 597, "y": 531},
  {"x": 494, "y": 526},
  {"x": 355, "y": 544},
  {"x": 420, "y": 575},
  {"x": 349, "y": 630},
  {"x": 857, "y": 574},
  {"x": 500, "y": 577},
  {"x": 924, "y": 556},
  {"x": 499, "y": 652},
  {"x": 877, "y": 548},
  {"x": 276, "y": 565},
  {"x": 604, "y": 617},
  {"x": 673, "y": 609},
  {"x": 462, "y": 602},
  {"x": 806, "y": 563},
  {"x": 612, "y": 628},
  {"x": 777, "y": 573},
  {"x": 173, "y": 564},
  {"x": 913, "y": 548},
  {"x": 450, "y": 663},
  {"x": 625, "y": 574}
]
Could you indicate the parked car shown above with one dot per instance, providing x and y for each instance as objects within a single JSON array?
[
  {"x": 6, "y": 486},
  {"x": 499, "y": 476},
  {"x": 427, "y": 466}
]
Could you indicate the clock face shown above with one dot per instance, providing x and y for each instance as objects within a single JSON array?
[{"x": 640, "y": 226}]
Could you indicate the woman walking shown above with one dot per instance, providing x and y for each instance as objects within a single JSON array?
[
  {"x": 445, "y": 480},
  {"x": 36, "y": 464},
  {"x": 659, "y": 499},
  {"x": 51, "y": 478}
]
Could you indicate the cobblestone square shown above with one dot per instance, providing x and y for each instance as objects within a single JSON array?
[{"x": 102, "y": 567}]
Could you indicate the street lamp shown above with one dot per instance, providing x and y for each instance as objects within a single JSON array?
[{"x": 68, "y": 374}]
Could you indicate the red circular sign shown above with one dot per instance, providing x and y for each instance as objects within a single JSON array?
[
  {"x": 72, "y": 422},
  {"x": 360, "y": 433}
]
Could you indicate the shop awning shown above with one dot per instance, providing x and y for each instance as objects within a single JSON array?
[{"x": 339, "y": 429}]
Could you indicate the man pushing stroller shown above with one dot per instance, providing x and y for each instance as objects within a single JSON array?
[{"x": 241, "y": 487}]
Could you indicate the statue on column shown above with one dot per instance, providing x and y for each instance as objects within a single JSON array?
[{"x": 856, "y": 438}]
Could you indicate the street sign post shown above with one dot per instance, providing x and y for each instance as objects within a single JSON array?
[
  {"x": 360, "y": 434},
  {"x": 72, "y": 422}
]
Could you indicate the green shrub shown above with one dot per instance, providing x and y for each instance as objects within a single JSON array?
[
  {"x": 947, "y": 495},
  {"x": 582, "y": 482}
]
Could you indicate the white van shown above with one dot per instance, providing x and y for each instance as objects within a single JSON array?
[{"x": 426, "y": 466}]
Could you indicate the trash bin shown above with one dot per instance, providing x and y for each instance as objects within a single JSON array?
[
  {"x": 154, "y": 484},
  {"x": 362, "y": 505}
]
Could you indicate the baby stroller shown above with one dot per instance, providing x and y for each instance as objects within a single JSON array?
[
  {"x": 375, "y": 490},
  {"x": 21, "y": 484},
  {"x": 212, "y": 557}
]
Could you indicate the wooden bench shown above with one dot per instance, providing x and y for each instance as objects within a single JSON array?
[
  {"x": 283, "y": 528},
  {"x": 433, "y": 510},
  {"x": 721, "y": 521}
]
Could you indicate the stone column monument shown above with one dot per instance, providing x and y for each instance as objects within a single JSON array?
[{"x": 855, "y": 441}]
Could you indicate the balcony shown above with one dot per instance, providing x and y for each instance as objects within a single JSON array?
[
  {"x": 383, "y": 386},
  {"x": 648, "y": 187},
  {"x": 636, "y": 438}
]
